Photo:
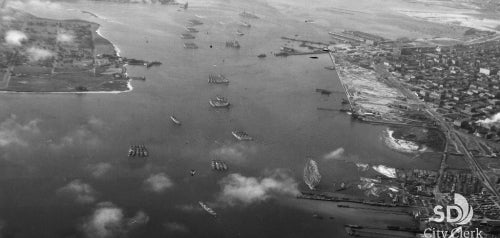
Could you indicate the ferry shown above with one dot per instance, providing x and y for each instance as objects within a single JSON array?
[
  {"x": 219, "y": 102},
  {"x": 175, "y": 120},
  {"x": 208, "y": 209},
  {"x": 241, "y": 135}
]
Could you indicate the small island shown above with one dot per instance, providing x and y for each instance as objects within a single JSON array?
[{"x": 46, "y": 55}]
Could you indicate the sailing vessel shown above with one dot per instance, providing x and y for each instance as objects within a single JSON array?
[
  {"x": 311, "y": 174},
  {"x": 207, "y": 208}
]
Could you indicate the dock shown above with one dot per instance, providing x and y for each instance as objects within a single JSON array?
[{"x": 348, "y": 95}]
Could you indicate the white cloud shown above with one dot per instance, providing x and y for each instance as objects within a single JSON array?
[
  {"x": 84, "y": 136},
  {"x": 99, "y": 170},
  {"x": 189, "y": 208},
  {"x": 65, "y": 37},
  {"x": 79, "y": 191},
  {"x": 237, "y": 188},
  {"x": 106, "y": 221},
  {"x": 36, "y": 54},
  {"x": 15, "y": 38},
  {"x": 175, "y": 227},
  {"x": 492, "y": 120},
  {"x": 15, "y": 133},
  {"x": 158, "y": 183},
  {"x": 139, "y": 219},
  {"x": 31, "y": 5},
  {"x": 336, "y": 154},
  {"x": 236, "y": 152}
]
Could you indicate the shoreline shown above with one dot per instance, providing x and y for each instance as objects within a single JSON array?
[{"x": 115, "y": 47}]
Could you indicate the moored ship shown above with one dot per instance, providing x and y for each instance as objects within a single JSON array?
[
  {"x": 241, "y": 135},
  {"x": 217, "y": 79},
  {"x": 207, "y": 209},
  {"x": 175, "y": 120},
  {"x": 219, "y": 102}
]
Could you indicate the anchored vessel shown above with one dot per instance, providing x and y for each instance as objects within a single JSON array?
[
  {"x": 217, "y": 79},
  {"x": 219, "y": 102},
  {"x": 175, "y": 120},
  {"x": 241, "y": 135},
  {"x": 207, "y": 208},
  {"x": 219, "y": 165},
  {"x": 138, "y": 150},
  {"x": 311, "y": 174}
]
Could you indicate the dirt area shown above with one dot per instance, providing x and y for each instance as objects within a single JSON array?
[{"x": 431, "y": 138}]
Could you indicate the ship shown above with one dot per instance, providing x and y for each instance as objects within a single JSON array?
[
  {"x": 219, "y": 102},
  {"x": 175, "y": 120},
  {"x": 191, "y": 29},
  {"x": 241, "y": 135},
  {"x": 187, "y": 36},
  {"x": 219, "y": 165},
  {"x": 207, "y": 208},
  {"x": 217, "y": 79},
  {"x": 190, "y": 45},
  {"x": 312, "y": 177},
  {"x": 248, "y": 15},
  {"x": 138, "y": 150},
  {"x": 245, "y": 24}
]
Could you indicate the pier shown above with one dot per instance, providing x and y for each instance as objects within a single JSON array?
[
  {"x": 349, "y": 97},
  {"x": 334, "y": 198}
]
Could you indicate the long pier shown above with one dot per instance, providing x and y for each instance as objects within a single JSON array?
[{"x": 342, "y": 83}]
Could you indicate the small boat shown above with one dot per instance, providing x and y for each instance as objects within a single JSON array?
[
  {"x": 175, "y": 120},
  {"x": 345, "y": 101},
  {"x": 262, "y": 56},
  {"x": 208, "y": 209},
  {"x": 241, "y": 135},
  {"x": 238, "y": 32},
  {"x": 193, "y": 172}
]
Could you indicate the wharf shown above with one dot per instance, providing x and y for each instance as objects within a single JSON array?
[{"x": 335, "y": 198}]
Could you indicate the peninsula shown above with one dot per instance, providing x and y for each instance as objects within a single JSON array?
[{"x": 46, "y": 55}]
